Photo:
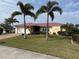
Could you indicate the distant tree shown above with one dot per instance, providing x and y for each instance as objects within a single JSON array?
[
  {"x": 68, "y": 27},
  {"x": 9, "y": 23},
  {"x": 69, "y": 30}
]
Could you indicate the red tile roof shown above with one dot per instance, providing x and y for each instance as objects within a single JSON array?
[{"x": 40, "y": 24}]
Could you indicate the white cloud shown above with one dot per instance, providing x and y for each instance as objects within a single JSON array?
[
  {"x": 3, "y": 3},
  {"x": 72, "y": 4},
  {"x": 33, "y": 0},
  {"x": 72, "y": 17},
  {"x": 70, "y": 14},
  {"x": 9, "y": 1},
  {"x": 8, "y": 6}
]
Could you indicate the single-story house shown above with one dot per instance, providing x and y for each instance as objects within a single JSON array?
[{"x": 36, "y": 28}]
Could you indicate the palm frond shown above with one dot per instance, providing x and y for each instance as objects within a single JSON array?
[
  {"x": 15, "y": 20},
  {"x": 51, "y": 14},
  {"x": 20, "y": 3},
  {"x": 21, "y": 6},
  {"x": 28, "y": 6},
  {"x": 30, "y": 14},
  {"x": 11, "y": 20},
  {"x": 15, "y": 13},
  {"x": 56, "y": 8},
  {"x": 43, "y": 9},
  {"x": 50, "y": 4}
]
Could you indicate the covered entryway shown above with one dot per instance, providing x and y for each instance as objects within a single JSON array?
[{"x": 36, "y": 30}]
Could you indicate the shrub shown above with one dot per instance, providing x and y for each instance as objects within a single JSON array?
[
  {"x": 54, "y": 34},
  {"x": 75, "y": 37},
  {"x": 76, "y": 30},
  {"x": 64, "y": 33}
]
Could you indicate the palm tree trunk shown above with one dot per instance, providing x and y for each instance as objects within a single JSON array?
[
  {"x": 47, "y": 28},
  {"x": 24, "y": 28}
]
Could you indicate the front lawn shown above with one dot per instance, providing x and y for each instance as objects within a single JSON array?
[{"x": 55, "y": 46}]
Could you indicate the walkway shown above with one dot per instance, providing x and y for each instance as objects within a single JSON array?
[{"x": 4, "y": 36}]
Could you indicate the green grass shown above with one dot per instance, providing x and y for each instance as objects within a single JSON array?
[{"x": 55, "y": 46}]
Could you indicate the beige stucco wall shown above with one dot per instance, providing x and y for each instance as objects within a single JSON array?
[
  {"x": 17, "y": 29},
  {"x": 54, "y": 29}
]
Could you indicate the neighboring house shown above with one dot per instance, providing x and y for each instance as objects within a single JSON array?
[{"x": 38, "y": 28}]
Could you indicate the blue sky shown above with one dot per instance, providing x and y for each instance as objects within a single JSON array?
[{"x": 70, "y": 10}]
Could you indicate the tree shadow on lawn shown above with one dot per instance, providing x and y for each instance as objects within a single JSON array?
[{"x": 2, "y": 43}]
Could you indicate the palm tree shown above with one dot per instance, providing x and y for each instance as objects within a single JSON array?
[
  {"x": 25, "y": 10},
  {"x": 9, "y": 23},
  {"x": 49, "y": 9}
]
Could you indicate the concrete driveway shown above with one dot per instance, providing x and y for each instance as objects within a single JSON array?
[
  {"x": 4, "y": 36},
  {"x": 14, "y": 53}
]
